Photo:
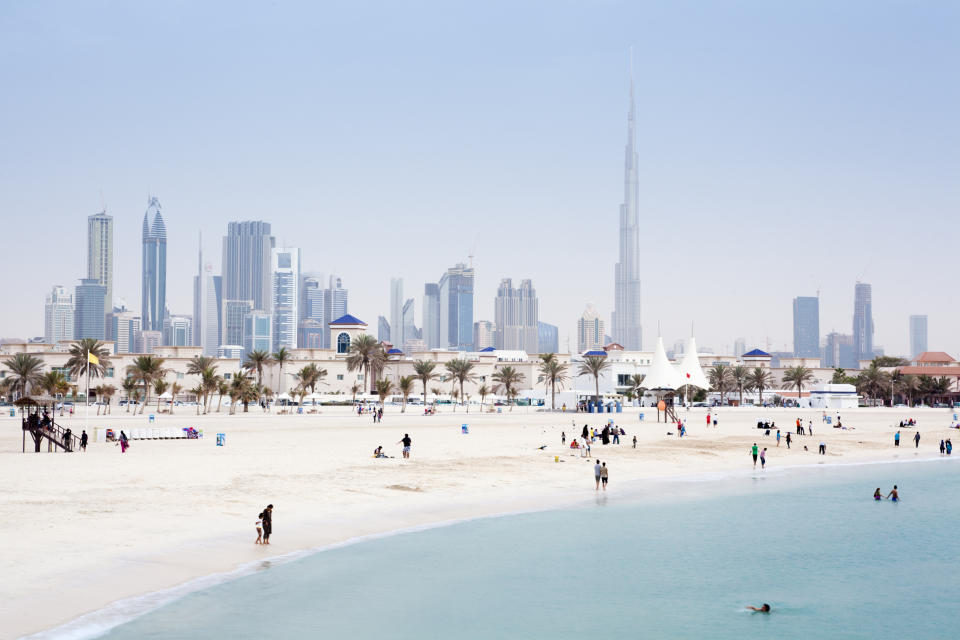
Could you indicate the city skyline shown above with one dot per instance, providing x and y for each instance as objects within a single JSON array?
[{"x": 722, "y": 163}]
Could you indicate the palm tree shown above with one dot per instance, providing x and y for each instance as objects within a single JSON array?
[
  {"x": 197, "y": 365},
  {"x": 758, "y": 380},
  {"x": 508, "y": 378},
  {"x": 146, "y": 369},
  {"x": 384, "y": 387},
  {"x": 282, "y": 356},
  {"x": 54, "y": 382},
  {"x": 107, "y": 390},
  {"x": 738, "y": 377},
  {"x": 175, "y": 389},
  {"x": 721, "y": 379},
  {"x": 797, "y": 377},
  {"x": 367, "y": 355},
  {"x": 907, "y": 387},
  {"x": 484, "y": 391},
  {"x": 79, "y": 363},
  {"x": 594, "y": 366},
  {"x": 236, "y": 385},
  {"x": 406, "y": 387},
  {"x": 636, "y": 383},
  {"x": 256, "y": 361},
  {"x": 423, "y": 369},
  {"x": 130, "y": 386},
  {"x": 198, "y": 391},
  {"x": 210, "y": 382},
  {"x": 160, "y": 387},
  {"x": 355, "y": 389},
  {"x": 554, "y": 373},
  {"x": 839, "y": 376},
  {"x": 222, "y": 389},
  {"x": 25, "y": 371},
  {"x": 873, "y": 382},
  {"x": 244, "y": 390},
  {"x": 461, "y": 370}
]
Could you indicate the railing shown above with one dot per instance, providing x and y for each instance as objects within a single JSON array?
[{"x": 52, "y": 432}]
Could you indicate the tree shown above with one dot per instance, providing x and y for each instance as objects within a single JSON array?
[
  {"x": 197, "y": 364},
  {"x": 256, "y": 361},
  {"x": 25, "y": 371},
  {"x": 198, "y": 392},
  {"x": 721, "y": 379},
  {"x": 636, "y": 384},
  {"x": 797, "y": 377},
  {"x": 282, "y": 356},
  {"x": 160, "y": 387},
  {"x": 406, "y": 387},
  {"x": 78, "y": 363},
  {"x": 738, "y": 377},
  {"x": 355, "y": 389},
  {"x": 175, "y": 389},
  {"x": 384, "y": 388},
  {"x": 210, "y": 382},
  {"x": 872, "y": 382},
  {"x": 423, "y": 369},
  {"x": 889, "y": 361},
  {"x": 907, "y": 386},
  {"x": 129, "y": 386},
  {"x": 554, "y": 373},
  {"x": 146, "y": 369},
  {"x": 484, "y": 391},
  {"x": 839, "y": 376},
  {"x": 367, "y": 356},
  {"x": 244, "y": 391},
  {"x": 222, "y": 389},
  {"x": 54, "y": 383},
  {"x": 594, "y": 366},
  {"x": 461, "y": 370},
  {"x": 107, "y": 390},
  {"x": 309, "y": 376},
  {"x": 758, "y": 380},
  {"x": 508, "y": 378}
]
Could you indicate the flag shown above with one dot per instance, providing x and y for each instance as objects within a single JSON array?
[{"x": 92, "y": 359}]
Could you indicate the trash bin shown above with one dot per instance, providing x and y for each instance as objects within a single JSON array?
[
  {"x": 152, "y": 417},
  {"x": 464, "y": 428},
  {"x": 590, "y": 407},
  {"x": 13, "y": 413},
  {"x": 619, "y": 408},
  {"x": 221, "y": 439},
  {"x": 641, "y": 416}
]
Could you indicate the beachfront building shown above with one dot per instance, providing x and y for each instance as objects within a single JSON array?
[
  {"x": 918, "y": 335},
  {"x": 58, "y": 317},
  {"x": 516, "y": 317},
  {"x": 153, "y": 286},
  {"x": 89, "y": 316},
  {"x": 285, "y": 296},
  {"x": 806, "y": 327},
  {"x": 456, "y": 308},
  {"x": 100, "y": 253}
]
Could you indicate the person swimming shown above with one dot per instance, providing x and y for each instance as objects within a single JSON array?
[
  {"x": 877, "y": 495},
  {"x": 893, "y": 495},
  {"x": 762, "y": 609}
]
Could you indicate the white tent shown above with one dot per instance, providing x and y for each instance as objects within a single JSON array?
[
  {"x": 661, "y": 374},
  {"x": 690, "y": 371},
  {"x": 283, "y": 396},
  {"x": 166, "y": 395}
]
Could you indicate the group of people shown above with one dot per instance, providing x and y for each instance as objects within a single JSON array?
[
  {"x": 946, "y": 447},
  {"x": 893, "y": 495},
  {"x": 376, "y": 412},
  {"x": 264, "y": 525}
]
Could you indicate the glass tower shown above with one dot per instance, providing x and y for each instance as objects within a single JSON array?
[
  {"x": 806, "y": 327},
  {"x": 153, "y": 290}
]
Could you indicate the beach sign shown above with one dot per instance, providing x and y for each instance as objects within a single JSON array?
[{"x": 464, "y": 429}]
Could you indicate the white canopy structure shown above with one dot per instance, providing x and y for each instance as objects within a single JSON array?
[
  {"x": 690, "y": 371},
  {"x": 283, "y": 396},
  {"x": 661, "y": 374}
]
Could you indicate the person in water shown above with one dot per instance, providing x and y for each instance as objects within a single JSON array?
[
  {"x": 893, "y": 495},
  {"x": 765, "y": 608},
  {"x": 877, "y": 495}
]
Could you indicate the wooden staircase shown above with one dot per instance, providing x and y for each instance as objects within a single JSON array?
[{"x": 55, "y": 435}]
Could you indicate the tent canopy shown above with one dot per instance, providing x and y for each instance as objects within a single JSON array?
[
  {"x": 690, "y": 371},
  {"x": 661, "y": 375}
]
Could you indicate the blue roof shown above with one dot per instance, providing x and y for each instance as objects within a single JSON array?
[
  {"x": 596, "y": 352},
  {"x": 756, "y": 353},
  {"x": 394, "y": 352},
  {"x": 486, "y": 350},
  {"x": 348, "y": 319}
]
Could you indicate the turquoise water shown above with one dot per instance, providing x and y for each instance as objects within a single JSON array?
[{"x": 813, "y": 544}]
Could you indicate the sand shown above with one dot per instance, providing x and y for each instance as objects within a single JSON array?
[{"x": 83, "y": 530}]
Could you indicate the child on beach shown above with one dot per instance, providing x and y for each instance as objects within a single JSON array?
[
  {"x": 763, "y": 458},
  {"x": 259, "y": 525}
]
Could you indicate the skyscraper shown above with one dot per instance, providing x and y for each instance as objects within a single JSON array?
[
  {"x": 590, "y": 330},
  {"x": 153, "y": 290},
  {"x": 548, "y": 339},
  {"x": 516, "y": 316},
  {"x": 246, "y": 262},
  {"x": 626, "y": 310},
  {"x": 89, "y": 316},
  {"x": 285, "y": 296},
  {"x": 407, "y": 322},
  {"x": 383, "y": 329},
  {"x": 100, "y": 253},
  {"x": 58, "y": 316},
  {"x": 231, "y": 319},
  {"x": 431, "y": 315},
  {"x": 838, "y": 351},
  {"x": 125, "y": 326},
  {"x": 257, "y": 332},
  {"x": 178, "y": 331},
  {"x": 396, "y": 311},
  {"x": 456, "y": 308},
  {"x": 484, "y": 334},
  {"x": 863, "y": 322},
  {"x": 211, "y": 301},
  {"x": 806, "y": 327},
  {"x": 918, "y": 335}
]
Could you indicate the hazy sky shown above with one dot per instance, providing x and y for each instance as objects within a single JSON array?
[{"x": 785, "y": 147}]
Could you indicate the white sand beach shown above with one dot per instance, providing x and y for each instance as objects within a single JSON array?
[{"x": 83, "y": 530}]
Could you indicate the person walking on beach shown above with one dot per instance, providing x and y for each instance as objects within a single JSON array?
[
  {"x": 755, "y": 452},
  {"x": 604, "y": 475},
  {"x": 893, "y": 495},
  {"x": 586, "y": 433},
  {"x": 823, "y": 448},
  {"x": 949, "y": 446},
  {"x": 259, "y": 525},
  {"x": 597, "y": 469},
  {"x": 563, "y": 437},
  {"x": 83, "y": 440},
  {"x": 124, "y": 442},
  {"x": 943, "y": 447},
  {"x": 809, "y": 427},
  {"x": 406, "y": 441},
  {"x": 916, "y": 440},
  {"x": 634, "y": 442},
  {"x": 896, "y": 439},
  {"x": 778, "y": 437},
  {"x": 788, "y": 440},
  {"x": 763, "y": 459},
  {"x": 267, "y": 521},
  {"x": 708, "y": 418}
]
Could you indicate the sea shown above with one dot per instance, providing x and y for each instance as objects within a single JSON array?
[{"x": 669, "y": 559}]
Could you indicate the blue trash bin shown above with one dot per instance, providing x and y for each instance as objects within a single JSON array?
[
  {"x": 641, "y": 417},
  {"x": 619, "y": 408},
  {"x": 589, "y": 407},
  {"x": 221, "y": 439},
  {"x": 464, "y": 428},
  {"x": 152, "y": 417}
]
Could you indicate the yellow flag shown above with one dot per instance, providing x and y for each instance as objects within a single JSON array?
[{"x": 92, "y": 359}]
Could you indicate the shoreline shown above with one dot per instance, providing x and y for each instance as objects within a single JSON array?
[{"x": 100, "y": 621}]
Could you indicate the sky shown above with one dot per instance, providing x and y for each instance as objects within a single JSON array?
[{"x": 785, "y": 149}]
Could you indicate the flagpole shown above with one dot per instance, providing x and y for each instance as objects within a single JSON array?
[{"x": 86, "y": 423}]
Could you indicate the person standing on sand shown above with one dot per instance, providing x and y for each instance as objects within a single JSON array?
[
  {"x": 634, "y": 442},
  {"x": 896, "y": 439},
  {"x": 778, "y": 437},
  {"x": 708, "y": 418},
  {"x": 789, "y": 440},
  {"x": 604, "y": 475},
  {"x": 823, "y": 448},
  {"x": 267, "y": 521},
  {"x": 406, "y": 441},
  {"x": 596, "y": 473},
  {"x": 763, "y": 459},
  {"x": 949, "y": 446},
  {"x": 83, "y": 440},
  {"x": 943, "y": 447},
  {"x": 809, "y": 427},
  {"x": 563, "y": 437},
  {"x": 916, "y": 440},
  {"x": 586, "y": 433},
  {"x": 755, "y": 452}
]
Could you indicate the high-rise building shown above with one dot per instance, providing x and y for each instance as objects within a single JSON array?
[
  {"x": 258, "y": 332},
  {"x": 838, "y": 352},
  {"x": 548, "y": 338},
  {"x": 739, "y": 347},
  {"x": 100, "y": 253},
  {"x": 285, "y": 296},
  {"x": 153, "y": 289},
  {"x": 310, "y": 334},
  {"x": 484, "y": 334},
  {"x": 396, "y": 311},
  {"x": 918, "y": 335},
  {"x": 232, "y": 320},
  {"x": 806, "y": 327},
  {"x": 334, "y": 306},
  {"x": 407, "y": 320},
  {"x": 58, "y": 316},
  {"x": 246, "y": 262},
  {"x": 626, "y": 310},
  {"x": 211, "y": 292},
  {"x": 178, "y": 331},
  {"x": 383, "y": 329},
  {"x": 590, "y": 330},
  {"x": 456, "y": 308},
  {"x": 124, "y": 327},
  {"x": 431, "y": 315},
  {"x": 89, "y": 317},
  {"x": 148, "y": 341},
  {"x": 863, "y": 322},
  {"x": 515, "y": 314}
]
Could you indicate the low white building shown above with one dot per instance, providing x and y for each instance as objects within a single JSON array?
[{"x": 833, "y": 396}]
